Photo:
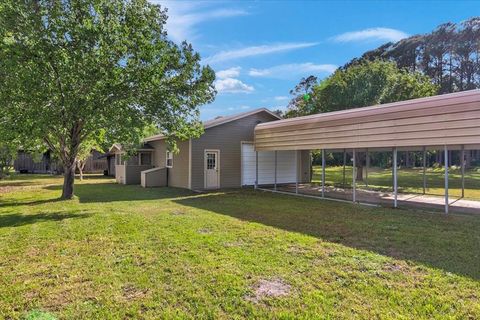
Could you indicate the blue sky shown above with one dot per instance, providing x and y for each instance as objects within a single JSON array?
[{"x": 261, "y": 49}]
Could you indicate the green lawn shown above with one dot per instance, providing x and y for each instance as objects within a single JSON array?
[
  {"x": 409, "y": 180},
  {"x": 121, "y": 252}
]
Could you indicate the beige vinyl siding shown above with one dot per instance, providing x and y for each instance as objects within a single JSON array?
[
  {"x": 159, "y": 153},
  {"x": 227, "y": 138},
  {"x": 451, "y": 119},
  {"x": 178, "y": 174}
]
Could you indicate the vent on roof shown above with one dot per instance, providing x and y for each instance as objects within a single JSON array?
[{"x": 218, "y": 117}]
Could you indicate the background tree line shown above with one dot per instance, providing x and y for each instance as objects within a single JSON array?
[
  {"x": 449, "y": 55},
  {"x": 443, "y": 61}
]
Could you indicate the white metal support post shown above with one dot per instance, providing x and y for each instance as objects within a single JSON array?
[
  {"x": 395, "y": 178},
  {"x": 275, "y": 180},
  {"x": 462, "y": 164},
  {"x": 344, "y": 164},
  {"x": 354, "y": 179},
  {"x": 446, "y": 178},
  {"x": 367, "y": 165},
  {"x": 256, "y": 169},
  {"x": 296, "y": 171},
  {"x": 424, "y": 170},
  {"x": 323, "y": 173}
]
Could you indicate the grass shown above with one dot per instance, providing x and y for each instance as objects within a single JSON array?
[
  {"x": 119, "y": 252},
  {"x": 410, "y": 180}
]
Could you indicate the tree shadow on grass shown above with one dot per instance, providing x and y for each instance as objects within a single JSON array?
[
  {"x": 111, "y": 192},
  {"x": 104, "y": 192},
  {"x": 14, "y": 203},
  {"x": 23, "y": 180},
  {"x": 448, "y": 242},
  {"x": 17, "y": 219}
]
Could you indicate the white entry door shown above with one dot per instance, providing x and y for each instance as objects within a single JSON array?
[{"x": 212, "y": 169}]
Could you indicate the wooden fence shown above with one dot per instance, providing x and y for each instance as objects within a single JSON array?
[{"x": 26, "y": 163}]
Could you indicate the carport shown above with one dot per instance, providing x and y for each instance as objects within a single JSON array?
[{"x": 449, "y": 122}]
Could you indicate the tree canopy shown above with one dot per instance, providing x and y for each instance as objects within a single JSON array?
[
  {"x": 449, "y": 55},
  {"x": 71, "y": 69},
  {"x": 360, "y": 85}
]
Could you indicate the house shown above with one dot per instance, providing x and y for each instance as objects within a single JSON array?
[
  {"x": 222, "y": 157},
  {"x": 128, "y": 168}
]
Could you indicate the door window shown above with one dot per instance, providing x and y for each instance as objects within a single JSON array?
[{"x": 211, "y": 161}]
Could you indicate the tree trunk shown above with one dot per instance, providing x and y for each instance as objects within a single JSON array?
[
  {"x": 359, "y": 173},
  {"x": 81, "y": 166},
  {"x": 68, "y": 181}
]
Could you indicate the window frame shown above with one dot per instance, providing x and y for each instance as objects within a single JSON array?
[
  {"x": 168, "y": 156},
  {"x": 119, "y": 161}
]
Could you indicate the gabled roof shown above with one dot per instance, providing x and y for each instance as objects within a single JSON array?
[
  {"x": 221, "y": 120},
  {"x": 114, "y": 146}
]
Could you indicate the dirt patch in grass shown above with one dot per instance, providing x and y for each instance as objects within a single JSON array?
[
  {"x": 234, "y": 244},
  {"x": 273, "y": 288},
  {"x": 204, "y": 231},
  {"x": 8, "y": 189},
  {"x": 130, "y": 292},
  {"x": 177, "y": 213}
]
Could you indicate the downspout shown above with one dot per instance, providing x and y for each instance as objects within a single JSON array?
[{"x": 168, "y": 169}]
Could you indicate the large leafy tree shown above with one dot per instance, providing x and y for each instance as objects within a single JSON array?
[
  {"x": 364, "y": 84},
  {"x": 8, "y": 153},
  {"x": 85, "y": 151},
  {"x": 8, "y": 150},
  {"x": 73, "y": 68}
]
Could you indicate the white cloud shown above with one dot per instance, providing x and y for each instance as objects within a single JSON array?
[
  {"x": 281, "y": 98},
  {"x": 228, "y": 73},
  {"x": 241, "y": 108},
  {"x": 231, "y": 85},
  {"x": 227, "y": 82},
  {"x": 184, "y": 16},
  {"x": 286, "y": 71},
  {"x": 372, "y": 34},
  {"x": 257, "y": 50}
]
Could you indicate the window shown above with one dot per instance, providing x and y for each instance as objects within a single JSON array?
[
  {"x": 145, "y": 158},
  {"x": 119, "y": 159},
  {"x": 211, "y": 161},
  {"x": 169, "y": 159}
]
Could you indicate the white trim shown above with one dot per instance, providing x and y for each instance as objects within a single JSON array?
[
  {"x": 190, "y": 164},
  {"x": 205, "y": 167},
  {"x": 240, "y": 116},
  {"x": 241, "y": 160},
  {"x": 154, "y": 138}
]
